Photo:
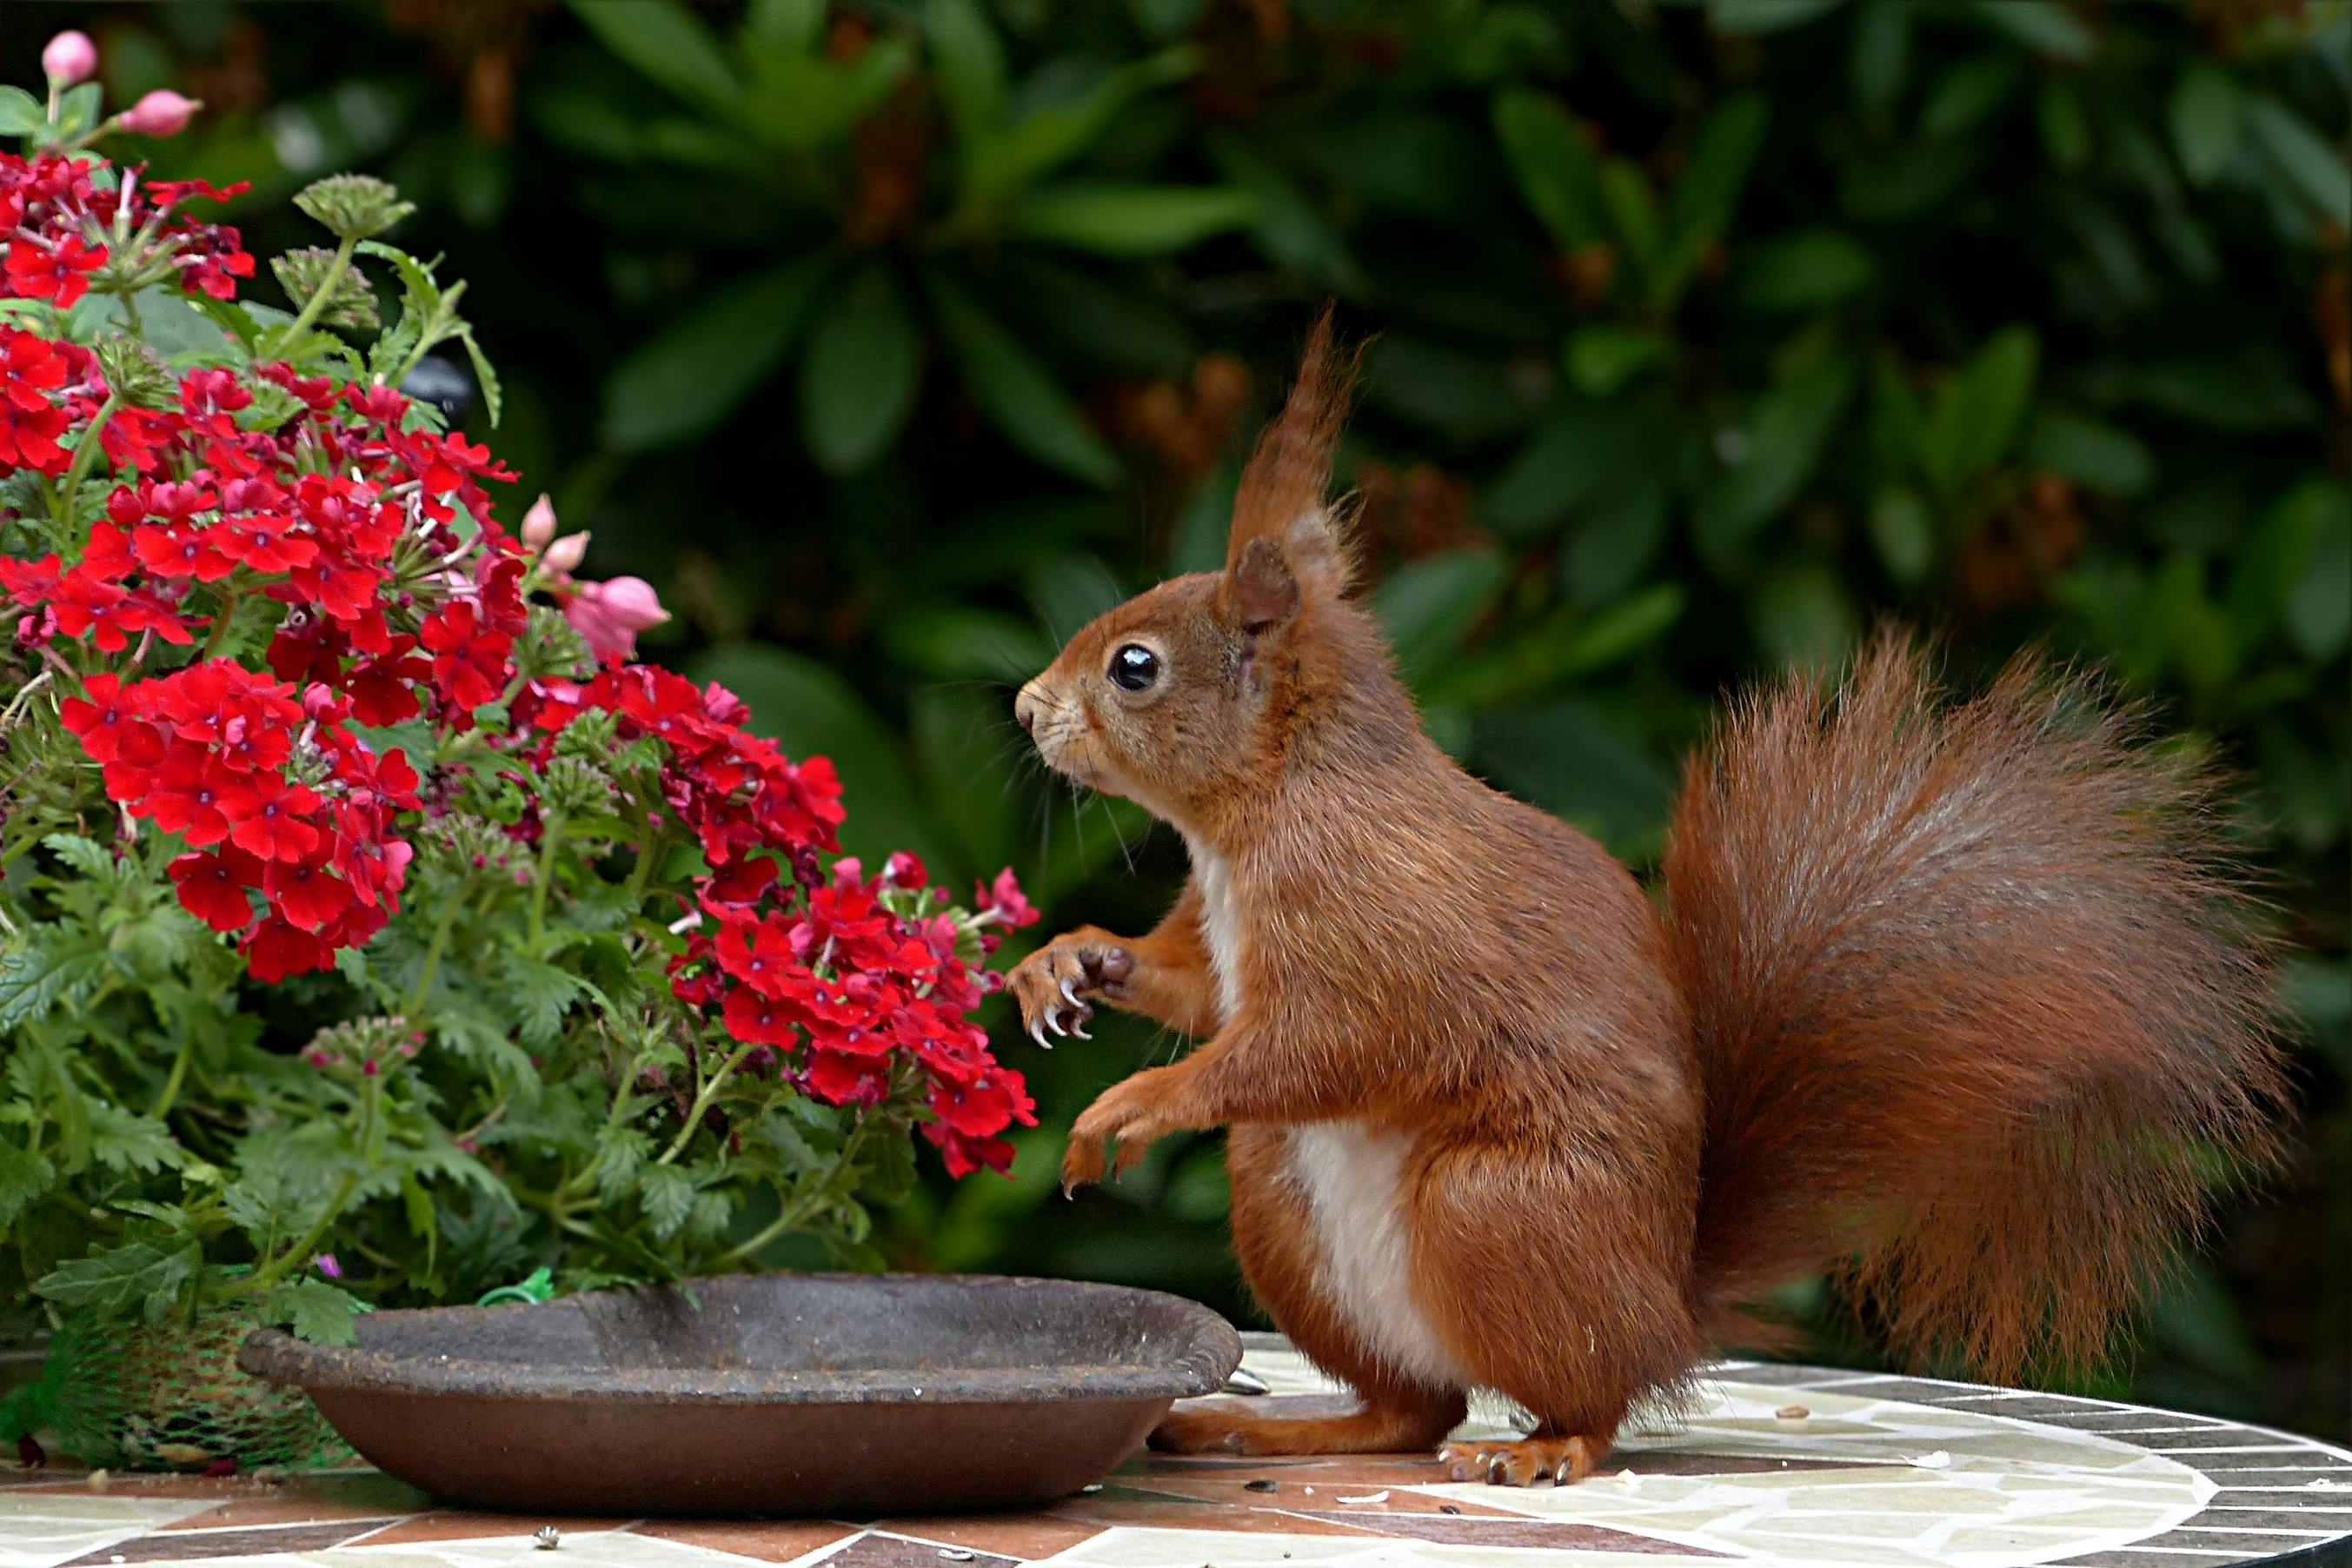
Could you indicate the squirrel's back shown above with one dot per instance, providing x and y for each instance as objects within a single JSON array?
[{"x": 1979, "y": 999}]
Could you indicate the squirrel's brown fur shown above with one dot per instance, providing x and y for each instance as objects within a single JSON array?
[{"x": 1948, "y": 999}]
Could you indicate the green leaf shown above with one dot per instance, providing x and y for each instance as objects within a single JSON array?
[
  {"x": 706, "y": 360},
  {"x": 42, "y": 968},
  {"x": 1902, "y": 534},
  {"x": 1570, "y": 759},
  {"x": 112, "y": 1282},
  {"x": 1969, "y": 93},
  {"x": 2041, "y": 25},
  {"x": 538, "y": 993},
  {"x": 1129, "y": 220},
  {"x": 1802, "y": 615},
  {"x": 2274, "y": 564},
  {"x": 2089, "y": 451},
  {"x": 1002, "y": 163},
  {"x": 1766, "y": 15},
  {"x": 858, "y": 381},
  {"x": 1880, "y": 59},
  {"x": 1786, "y": 433},
  {"x": 25, "y": 1176},
  {"x": 1802, "y": 271},
  {"x": 125, "y": 1141},
  {"x": 2319, "y": 612},
  {"x": 21, "y": 113},
  {"x": 1017, "y": 394},
  {"x": 1431, "y": 605},
  {"x": 86, "y": 856},
  {"x": 2204, "y": 116},
  {"x": 668, "y": 44},
  {"x": 314, "y": 1310},
  {"x": 1702, "y": 203},
  {"x": 2308, "y": 164},
  {"x": 970, "y": 60},
  {"x": 1600, "y": 359},
  {"x": 2065, "y": 125},
  {"x": 494, "y": 396},
  {"x": 1975, "y": 416},
  {"x": 666, "y": 1196},
  {"x": 1557, "y": 172}
]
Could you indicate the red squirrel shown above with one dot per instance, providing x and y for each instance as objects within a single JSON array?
[{"x": 1953, "y": 1001}]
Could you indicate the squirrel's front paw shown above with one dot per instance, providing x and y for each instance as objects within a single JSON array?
[
  {"x": 1130, "y": 1114},
  {"x": 1051, "y": 985}
]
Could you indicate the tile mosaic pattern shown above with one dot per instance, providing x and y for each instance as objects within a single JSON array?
[{"x": 1767, "y": 1465}]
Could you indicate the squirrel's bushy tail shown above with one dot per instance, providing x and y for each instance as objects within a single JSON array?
[{"x": 1979, "y": 1000}]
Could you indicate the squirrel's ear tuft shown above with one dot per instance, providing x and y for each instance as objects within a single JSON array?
[
  {"x": 1283, "y": 496},
  {"x": 1259, "y": 591}
]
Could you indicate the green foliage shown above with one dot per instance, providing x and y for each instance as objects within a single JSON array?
[{"x": 1708, "y": 333}]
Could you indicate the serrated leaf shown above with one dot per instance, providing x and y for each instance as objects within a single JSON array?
[
  {"x": 493, "y": 396},
  {"x": 91, "y": 858},
  {"x": 621, "y": 1153},
  {"x": 44, "y": 969},
  {"x": 25, "y": 1176},
  {"x": 665, "y": 1194},
  {"x": 112, "y": 1282},
  {"x": 125, "y": 1141},
  {"x": 315, "y": 1310},
  {"x": 540, "y": 994}
]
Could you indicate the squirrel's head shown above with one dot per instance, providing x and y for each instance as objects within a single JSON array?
[{"x": 1186, "y": 698}]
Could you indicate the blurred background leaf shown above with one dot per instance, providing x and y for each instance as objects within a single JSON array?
[{"x": 892, "y": 339}]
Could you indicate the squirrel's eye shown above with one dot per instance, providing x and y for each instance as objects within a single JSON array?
[{"x": 1134, "y": 666}]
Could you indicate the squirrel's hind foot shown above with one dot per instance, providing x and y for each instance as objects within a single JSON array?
[{"x": 1522, "y": 1461}]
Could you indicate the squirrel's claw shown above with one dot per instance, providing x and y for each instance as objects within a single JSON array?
[{"x": 1037, "y": 1032}]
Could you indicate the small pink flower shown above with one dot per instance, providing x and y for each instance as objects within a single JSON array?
[
  {"x": 611, "y": 615},
  {"x": 70, "y": 57},
  {"x": 904, "y": 869},
  {"x": 1004, "y": 901},
  {"x": 328, "y": 1266},
  {"x": 563, "y": 557},
  {"x": 538, "y": 524},
  {"x": 162, "y": 112}
]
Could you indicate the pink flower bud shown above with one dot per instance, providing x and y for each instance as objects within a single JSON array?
[
  {"x": 848, "y": 871},
  {"x": 328, "y": 1266},
  {"x": 904, "y": 869},
  {"x": 538, "y": 524},
  {"x": 566, "y": 553},
  {"x": 162, "y": 112},
  {"x": 70, "y": 58},
  {"x": 611, "y": 615}
]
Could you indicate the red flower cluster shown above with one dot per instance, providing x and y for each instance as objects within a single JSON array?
[
  {"x": 65, "y": 227},
  {"x": 367, "y": 538},
  {"x": 272, "y": 796}
]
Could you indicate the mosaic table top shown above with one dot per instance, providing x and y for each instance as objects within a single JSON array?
[{"x": 1771, "y": 1465}]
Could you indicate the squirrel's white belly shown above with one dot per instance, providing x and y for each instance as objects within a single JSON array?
[{"x": 1352, "y": 1177}]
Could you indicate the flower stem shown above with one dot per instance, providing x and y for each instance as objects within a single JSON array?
[
  {"x": 179, "y": 1075},
  {"x": 434, "y": 949},
  {"x": 702, "y": 1103},
  {"x": 790, "y": 1217},
  {"x": 291, "y": 334},
  {"x": 551, "y": 838},
  {"x": 263, "y": 1278},
  {"x": 86, "y": 452}
]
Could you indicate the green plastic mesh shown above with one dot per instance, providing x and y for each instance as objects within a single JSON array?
[{"x": 126, "y": 1396}]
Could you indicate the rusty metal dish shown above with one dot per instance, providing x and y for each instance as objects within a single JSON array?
[{"x": 770, "y": 1395}]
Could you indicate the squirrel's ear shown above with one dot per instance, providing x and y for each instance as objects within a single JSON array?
[
  {"x": 1260, "y": 591},
  {"x": 1282, "y": 494}
]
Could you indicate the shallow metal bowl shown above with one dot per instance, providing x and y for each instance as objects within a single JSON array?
[{"x": 778, "y": 1395}]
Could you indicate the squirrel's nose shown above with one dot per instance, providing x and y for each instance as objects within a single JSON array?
[{"x": 1025, "y": 710}]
